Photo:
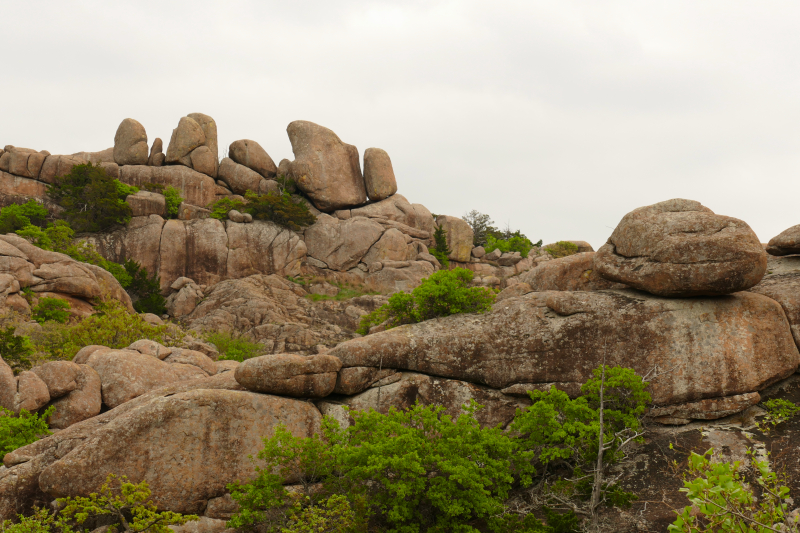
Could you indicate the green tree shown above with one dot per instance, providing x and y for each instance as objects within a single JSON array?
[
  {"x": 15, "y": 350},
  {"x": 440, "y": 250},
  {"x": 443, "y": 293},
  {"x": 173, "y": 198},
  {"x": 47, "y": 309},
  {"x": 481, "y": 225},
  {"x": 17, "y": 216},
  {"x": 145, "y": 291},
  {"x": 16, "y": 432},
  {"x": 92, "y": 200}
]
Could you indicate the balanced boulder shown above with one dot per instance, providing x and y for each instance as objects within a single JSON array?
[
  {"x": 253, "y": 156},
  {"x": 130, "y": 143},
  {"x": 785, "y": 243},
  {"x": 378, "y": 174},
  {"x": 325, "y": 168},
  {"x": 290, "y": 375},
  {"x": 680, "y": 248}
]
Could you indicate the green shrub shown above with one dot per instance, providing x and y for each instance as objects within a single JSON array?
[
  {"x": 440, "y": 250},
  {"x": 778, "y": 411},
  {"x": 92, "y": 200},
  {"x": 221, "y": 208},
  {"x": 174, "y": 199},
  {"x": 17, "y": 216},
  {"x": 234, "y": 347},
  {"x": 561, "y": 249},
  {"x": 51, "y": 309},
  {"x": 124, "y": 190},
  {"x": 153, "y": 187},
  {"x": 444, "y": 293},
  {"x": 515, "y": 243},
  {"x": 722, "y": 501},
  {"x": 145, "y": 291},
  {"x": 112, "y": 326},
  {"x": 16, "y": 350},
  {"x": 16, "y": 432},
  {"x": 281, "y": 209}
]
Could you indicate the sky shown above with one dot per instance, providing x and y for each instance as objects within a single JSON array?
[{"x": 556, "y": 118}]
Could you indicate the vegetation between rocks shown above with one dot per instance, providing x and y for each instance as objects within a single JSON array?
[
  {"x": 47, "y": 309},
  {"x": 232, "y": 347},
  {"x": 19, "y": 431},
  {"x": 280, "y": 208},
  {"x": 443, "y": 293},
  {"x": 440, "y": 249},
  {"x": 561, "y": 249},
  {"x": 491, "y": 238}
]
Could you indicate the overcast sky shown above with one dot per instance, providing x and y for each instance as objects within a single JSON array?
[{"x": 556, "y": 117}]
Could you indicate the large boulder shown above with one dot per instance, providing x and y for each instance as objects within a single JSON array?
[
  {"x": 378, "y": 174},
  {"x": 185, "y": 138},
  {"x": 681, "y": 248},
  {"x": 459, "y": 237},
  {"x": 390, "y": 247},
  {"x": 341, "y": 244},
  {"x": 130, "y": 143},
  {"x": 81, "y": 403},
  {"x": 145, "y": 203},
  {"x": 58, "y": 165},
  {"x": 140, "y": 241},
  {"x": 170, "y": 442},
  {"x": 239, "y": 178},
  {"x": 562, "y": 336},
  {"x": 204, "y": 256},
  {"x": 572, "y": 273},
  {"x": 209, "y": 127},
  {"x": 250, "y": 154},
  {"x": 24, "y": 162},
  {"x": 325, "y": 168},
  {"x": 8, "y": 386},
  {"x": 31, "y": 393},
  {"x": 782, "y": 284},
  {"x": 786, "y": 242},
  {"x": 290, "y": 375},
  {"x": 126, "y": 374},
  {"x": 60, "y": 377}
]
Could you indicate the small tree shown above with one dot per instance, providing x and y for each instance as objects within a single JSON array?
[
  {"x": 92, "y": 200},
  {"x": 47, "y": 309},
  {"x": 173, "y": 199},
  {"x": 15, "y": 350},
  {"x": 481, "y": 225},
  {"x": 16, "y": 432},
  {"x": 440, "y": 249},
  {"x": 145, "y": 292}
]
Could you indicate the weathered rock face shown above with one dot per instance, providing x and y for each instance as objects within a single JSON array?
[
  {"x": 290, "y": 375},
  {"x": 24, "y": 162},
  {"x": 168, "y": 443},
  {"x": 157, "y": 156},
  {"x": 785, "y": 243},
  {"x": 404, "y": 278},
  {"x": 195, "y": 188},
  {"x": 459, "y": 237},
  {"x": 263, "y": 248},
  {"x": 410, "y": 388},
  {"x": 209, "y": 127},
  {"x": 58, "y": 165},
  {"x": 341, "y": 244},
  {"x": 276, "y": 312},
  {"x": 8, "y": 386},
  {"x": 713, "y": 347},
  {"x": 60, "y": 377},
  {"x": 572, "y": 273},
  {"x": 130, "y": 143},
  {"x": 680, "y": 248},
  {"x": 83, "y": 402},
  {"x": 782, "y": 284},
  {"x": 145, "y": 203},
  {"x": 390, "y": 247},
  {"x": 185, "y": 138},
  {"x": 378, "y": 174},
  {"x": 253, "y": 156},
  {"x": 31, "y": 393},
  {"x": 126, "y": 374},
  {"x": 325, "y": 168},
  {"x": 239, "y": 178}
]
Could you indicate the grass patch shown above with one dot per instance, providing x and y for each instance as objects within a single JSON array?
[{"x": 233, "y": 347}]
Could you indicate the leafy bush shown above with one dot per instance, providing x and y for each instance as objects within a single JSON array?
[
  {"x": 281, "y": 209},
  {"x": 221, "y": 208},
  {"x": 515, "y": 243},
  {"x": 16, "y": 432},
  {"x": 112, "y": 326},
  {"x": 722, "y": 501},
  {"x": 17, "y": 216},
  {"x": 561, "y": 249},
  {"x": 778, "y": 410},
  {"x": 440, "y": 250},
  {"x": 15, "y": 350},
  {"x": 234, "y": 347},
  {"x": 145, "y": 291},
  {"x": 444, "y": 293},
  {"x": 124, "y": 190},
  {"x": 174, "y": 200},
  {"x": 92, "y": 200},
  {"x": 54, "y": 309}
]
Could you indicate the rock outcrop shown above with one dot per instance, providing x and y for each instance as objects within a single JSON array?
[
  {"x": 325, "y": 168},
  {"x": 290, "y": 375},
  {"x": 681, "y": 248},
  {"x": 572, "y": 273}
]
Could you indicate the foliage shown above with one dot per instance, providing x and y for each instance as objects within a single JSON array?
[
  {"x": 234, "y": 347},
  {"x": 92, "y": 200},
  {"x": 481, "y": 224},
  {"x": 722, "y": 501},
  {"x": 332, "y": 515},
  {"x": 440, "y": 250},
  {"x": 515, "y": 243},
  {"x": 128, "y": 505},
  {"x": 281, "y": 209},
  {"x": 111, "y": 326},
  {"x": 406, "y": 471},
  {"x": 153, "y": 187},
  {"x": 40, "y": 521},
  {"x": 124, "y": 190},
  {"x": 443, "y": 293},
  {"x": 174, "y": 200},
  {"x": 54, "y": 309},
  {"x": 561, "y": 249},
  {"x": 15, "y": 350},
  {"x": 16, "y": 432},
  {"x": 145, "y": 291},
  {"x": 778, "y": 410},
  {"x": 17, "y": 216},
  {"x": 220, "y": 208},
  {"x": 557, "y": 430}
]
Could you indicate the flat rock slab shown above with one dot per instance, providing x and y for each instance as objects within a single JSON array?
[{"x": 709, "y": 347}]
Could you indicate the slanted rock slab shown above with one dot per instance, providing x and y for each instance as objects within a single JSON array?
[{"x": 290, "y": 375}]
